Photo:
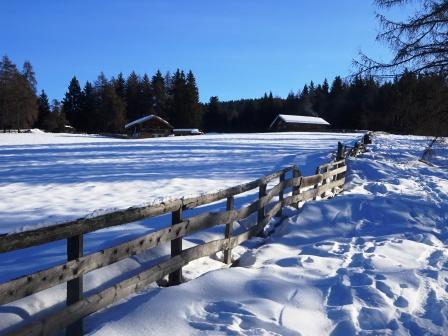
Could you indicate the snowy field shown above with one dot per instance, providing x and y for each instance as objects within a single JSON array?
[
  {"x": 372, "y": 261},
  {"x": 50, "y": 178}
]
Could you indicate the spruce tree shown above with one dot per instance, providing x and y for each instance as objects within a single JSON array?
[
  {"x": 89, "y": 115},
  {"x": 112, "y": 110},
  {"x": 160, "y": 95},
  {"x": 71, "y": 104},
  {"x": 146, "y": 96},
  {"x": 133, "y": 95},
  {"x": 29, "y": 75},
  {"x": 55, "y": 120},
  {"x": 213, "y": 117},
  {"x": 192, "y": 101},
  {"x": 120, "y": 86},
  {"x": 43, "y": 109},
  {"x": 178, "y": 109}
]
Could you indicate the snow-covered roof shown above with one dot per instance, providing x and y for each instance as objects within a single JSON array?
[
  {"x": 296, "y": 119},
  {"x": 145, "y": 118}
]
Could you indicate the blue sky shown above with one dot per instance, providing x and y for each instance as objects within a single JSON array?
[{"x": 236, "y": 48}]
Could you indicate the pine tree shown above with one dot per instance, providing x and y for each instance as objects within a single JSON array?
[
  {"x": 213, "y": 117},
  {"x": 55, "y": 120},
  {"x": 120, "y": 86},
  {"x": 89, "y": 114},
  {"x": 134, "y": 109},
  {"x": 8, "y": 71},
  {"x": 29, "y": 75},
  {"x": 178, "y": 111},
  {"x": 43, "y": 108},
  {"x": 112, "y": 110},
  {"x": 160, "y": 95},
  {"x": 146, "y": 96},
  {"x": 71, "y": 104},
  {"x": 192, "y": 101}
]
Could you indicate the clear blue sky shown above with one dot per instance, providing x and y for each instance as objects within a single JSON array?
[{"x": 236, "y": 48}]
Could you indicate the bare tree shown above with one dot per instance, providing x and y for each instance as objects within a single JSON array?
[{"x": 419, "y": 43}]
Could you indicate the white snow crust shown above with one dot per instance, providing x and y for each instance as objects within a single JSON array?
[{"x": 373, "y": 260}]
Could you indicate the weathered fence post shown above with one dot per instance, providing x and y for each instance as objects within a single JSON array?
[
  {"x": 75, "y": 287},
  {"x": 280, "y": 196},
  {"x": 296, "y": 190},
  {"x": 261, "y": 215},
  {"x": 340, "y": 152},
  {"x": 175, "y": 278},
  {"x": 366, "y": 139},
  {"x": 356, "y": 149},
  {"x": 229, "y": 230},
  {"x": 324, "y": 181},
  {"x": 316, "y": 186}
]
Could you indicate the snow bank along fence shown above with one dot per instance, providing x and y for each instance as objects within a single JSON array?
[{"x": 328, "y": 177}]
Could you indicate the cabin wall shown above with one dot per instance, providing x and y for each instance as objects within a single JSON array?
[
  {"x": 281, "y": 126},
  {"x": 149, "y": 129}
]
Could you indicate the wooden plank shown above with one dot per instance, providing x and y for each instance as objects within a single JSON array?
[
  {"x": 333, "y": 172},
  {"x": 341, "y": 175},
  {"x": 331, "y": 165},
  {"x": 75, "y": 287},
  {"x": 308, "y": 181},
  {"x": 229, "y": 230},
  {"x": 69, "y": 229},
  {"x": 193, "y": 202},
  {"x": 175, "y": 277},
  {"x": 65, "y": 230},
  {"x": 310, "y": 194},
  {"x": 276, "y": 190}
]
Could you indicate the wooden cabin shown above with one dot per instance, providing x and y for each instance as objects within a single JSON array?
[
  {"x": 296, "y": 123},
  {"x": 150, "y": 126}
]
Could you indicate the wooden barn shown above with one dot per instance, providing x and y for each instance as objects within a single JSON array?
[
  {"x": 150, "y": 126},
  {"x": 296, "y": 123}
]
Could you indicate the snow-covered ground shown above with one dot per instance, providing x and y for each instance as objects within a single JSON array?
[
  {"x": 372, "y": 261},
  {"x": 51, "y": 178}
]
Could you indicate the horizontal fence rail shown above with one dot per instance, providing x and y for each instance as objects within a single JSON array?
[{"x": 327, "y": 182}]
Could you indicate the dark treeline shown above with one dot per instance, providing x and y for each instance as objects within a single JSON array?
[
  {"x": 18, "y": 103},
  {"x": 409, "y": 104},
  {"x": 106, "y": 105},
  {"x": 102, "y": 106}
]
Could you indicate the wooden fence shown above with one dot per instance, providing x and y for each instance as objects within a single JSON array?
[{"x": 327, "y": 182}]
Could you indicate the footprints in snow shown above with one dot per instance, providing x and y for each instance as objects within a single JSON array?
[{"x": 232, "y": 318}]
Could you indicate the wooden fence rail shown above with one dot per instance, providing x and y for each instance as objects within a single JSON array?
[{"x": 327, "y": 182}]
